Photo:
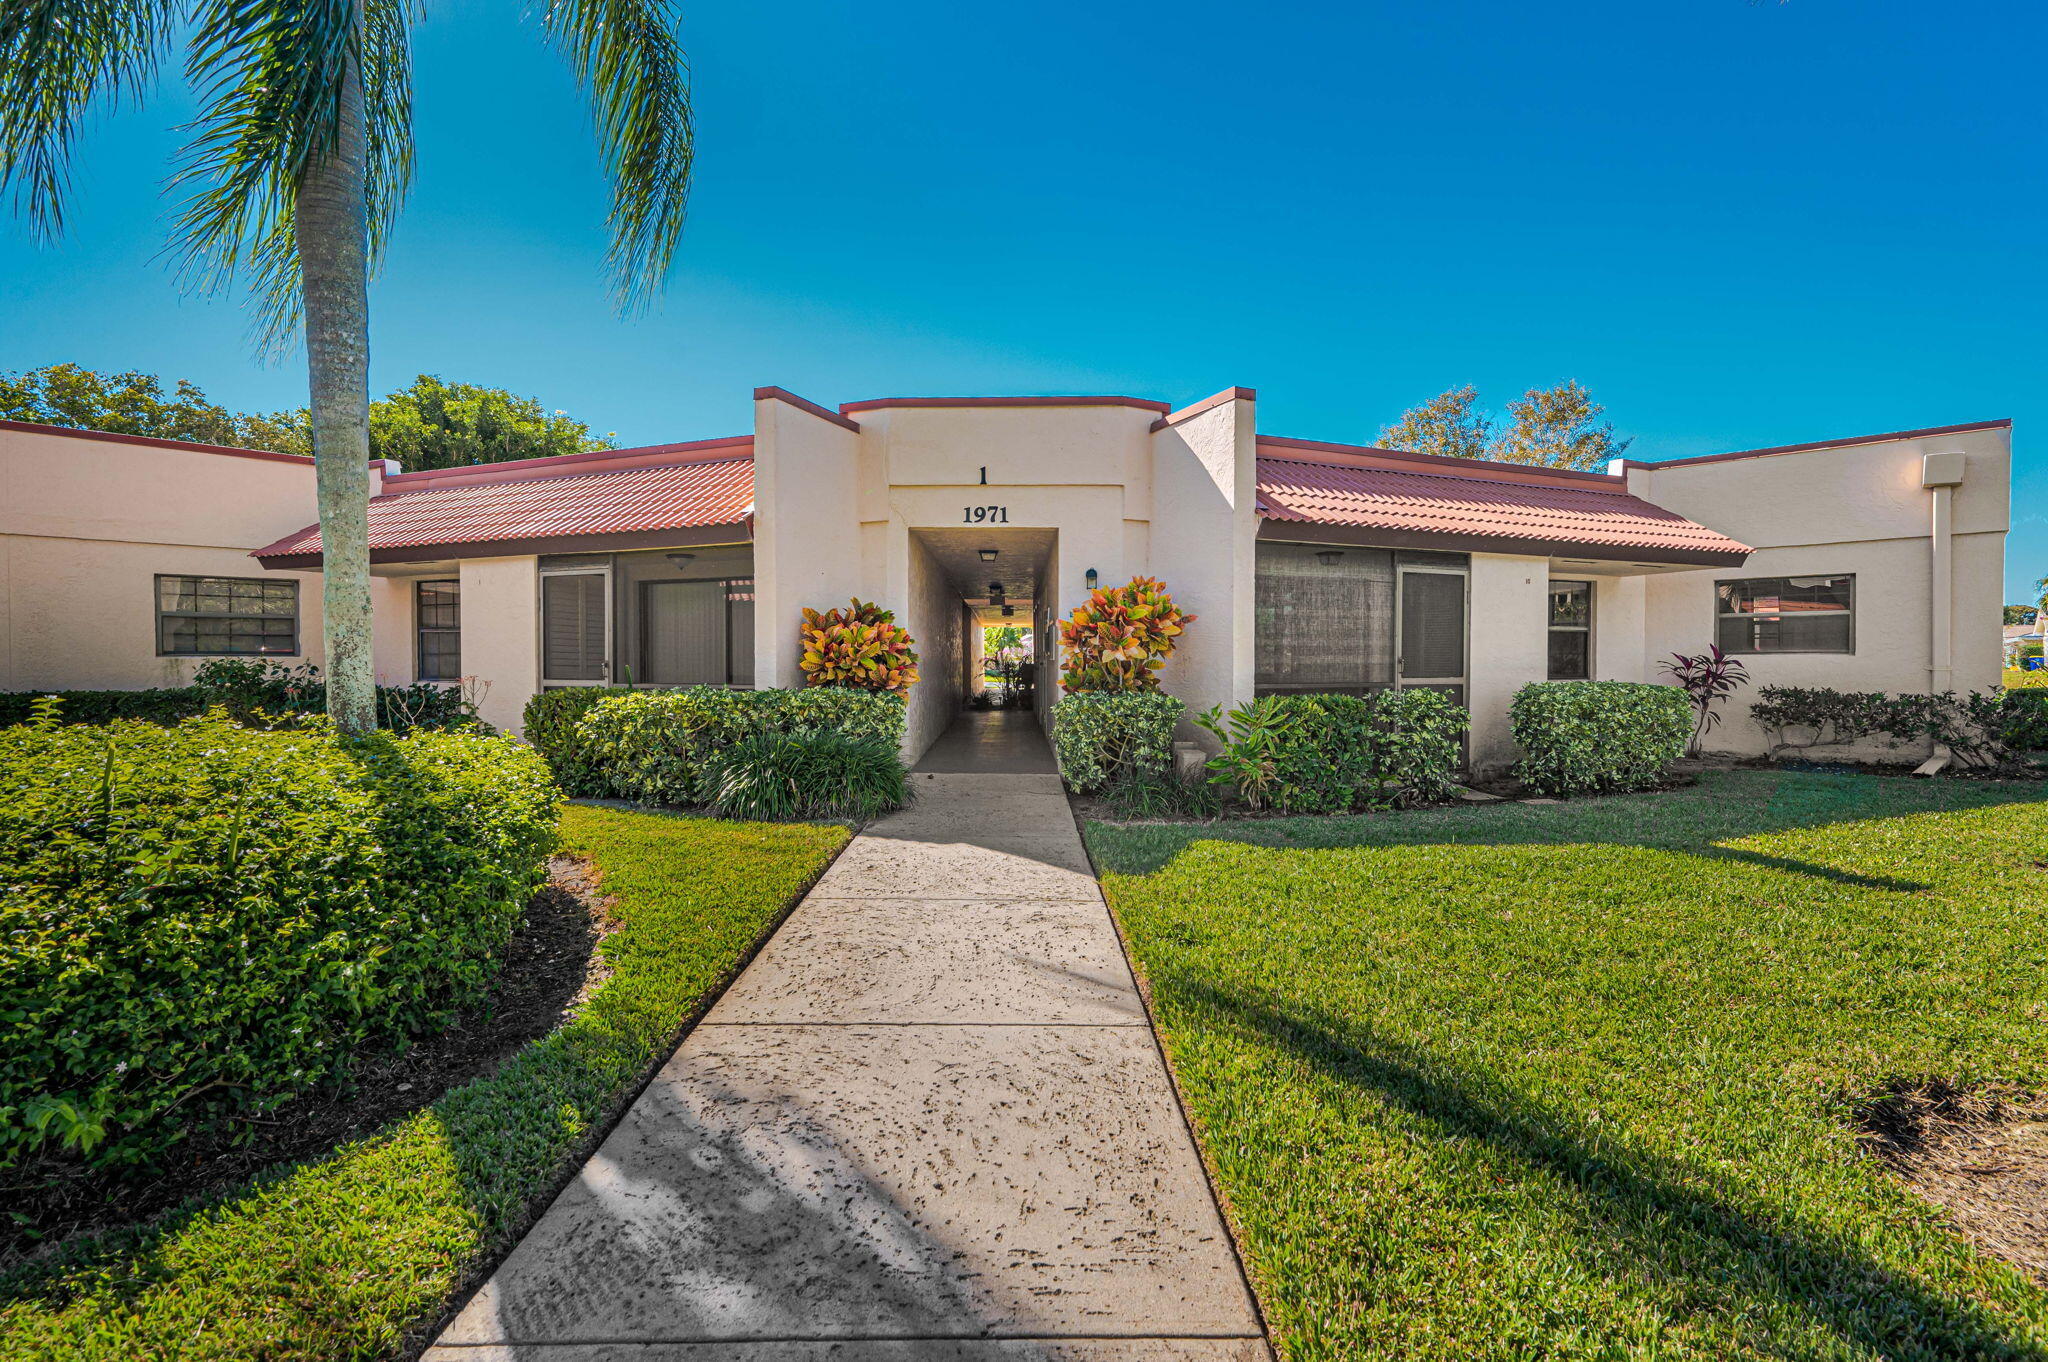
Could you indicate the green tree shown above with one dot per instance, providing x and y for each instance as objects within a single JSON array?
[
  {"x": 300, "y": 157},
  {"x": 2020, "y": 614},
  {"x": 1449, "y": 424},
  {"x": 133, "y": 403},
  {"x": 434, "y": 424},
  {"x": 1556, "y": 427}
]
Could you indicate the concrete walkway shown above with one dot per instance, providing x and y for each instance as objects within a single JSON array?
[{"x": 929, "y": 1121}]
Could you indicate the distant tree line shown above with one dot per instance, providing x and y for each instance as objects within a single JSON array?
[{"x": 429, "y": 424}]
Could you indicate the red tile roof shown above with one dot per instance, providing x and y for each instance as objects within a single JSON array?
[
  {"x": 1510, "y": 508},
  {"x": 576, "y": 506}
]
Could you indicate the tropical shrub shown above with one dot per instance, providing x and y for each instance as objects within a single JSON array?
[
  {"x": 1587, "y": 737},
  {"x": 1121, "y": 638},
  {"x": 263, "y": 694},
  {"x": 1984, "y": 728},
  {"x": 819, "y": 773},
  {"x": 1706, "y": 678},
  {"x": 860, "y": 647},
  {"x": 1392, "y": 749},
  {"x": 1252, "y": 735},
  {"x": 1099, "y": 736},
  {"x": 204, "y": 919},
  {"x": 653, "y": 745},
  {"x": 552, "y": 722}
]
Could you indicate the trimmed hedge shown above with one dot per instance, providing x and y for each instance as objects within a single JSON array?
[
  {"x": 1985, "y": 728},
  {"x": 653, "y": 745},
  {"x": 1105, "y": 736},
  {"x": 1391, "y": 749},
  {"x": 263, "y": 694},
  {"x": 204, "y": 919},
  {"x": 1588, "y": 737}
]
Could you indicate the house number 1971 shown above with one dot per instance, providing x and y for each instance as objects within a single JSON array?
[{"x": 986, "y": 515}]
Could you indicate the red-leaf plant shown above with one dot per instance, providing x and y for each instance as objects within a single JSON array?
[{"x": 1705, "y": 678}]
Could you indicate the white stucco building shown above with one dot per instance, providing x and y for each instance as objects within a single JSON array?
[{"x": 1872, "y": 563}]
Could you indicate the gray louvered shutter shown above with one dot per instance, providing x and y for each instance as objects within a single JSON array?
[{"x": 572, "y": 626}]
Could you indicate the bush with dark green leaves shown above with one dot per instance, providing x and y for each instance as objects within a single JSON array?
[
  {"x": 204, "y": 919},
  {"x": 553, "y": 721},
  {"x": 257, "y": 693},
  {"x": 1103, "y": 736},
  {"x": 1982, "y": 728},
  {"x": 1593, "y": 737},
  {"x": 816, "y": 774},
  {"x": 652, "y": 745},
  {"x": 1392, "y": 749}
]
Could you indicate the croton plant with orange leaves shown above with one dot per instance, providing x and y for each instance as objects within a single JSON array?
[
  {"x": 861, "y": 647},
  {"x": 1120, "y": 639}
]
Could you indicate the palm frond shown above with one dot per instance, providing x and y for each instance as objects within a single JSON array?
[
  {"x": 272, "y": 78},
  {"x": 56, "y": 58},
  {"x": 626, "y": 54}
]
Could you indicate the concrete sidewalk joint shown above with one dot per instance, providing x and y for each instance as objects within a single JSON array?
[{"x": 929, "y": 1121}]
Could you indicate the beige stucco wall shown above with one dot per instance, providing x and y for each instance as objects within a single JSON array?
[
  {"x": 836, "y": 511},
  {"x": 934, "y": 617},
  {"x": 501, "y": 634},
  {"x": 1509, "y": 648},
  {"x": 85, "y": 526},
  {"x": 1857, "y": 509}
]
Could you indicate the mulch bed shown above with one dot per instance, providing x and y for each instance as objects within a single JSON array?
[
  {"x": 1980, "y": 1156},
  {"x": 550, "y": 967}
]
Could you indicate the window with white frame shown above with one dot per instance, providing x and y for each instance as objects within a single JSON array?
[
  {"x": 1571, "y": 631},
  {"x": 202, "y": 616},
  {"x": 1810, "y": 614}
]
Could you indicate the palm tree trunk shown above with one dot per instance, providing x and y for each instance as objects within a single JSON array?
[{"x": 332, "y": 223}]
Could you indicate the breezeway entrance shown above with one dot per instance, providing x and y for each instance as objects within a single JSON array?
[{"x": 962, "y": 580}]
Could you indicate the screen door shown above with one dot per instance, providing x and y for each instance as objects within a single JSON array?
[
  {"x": 575, "y": 628},
  {"x": 1429, "y": 630}
]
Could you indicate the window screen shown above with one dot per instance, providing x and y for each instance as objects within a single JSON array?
[
  {"x": 200, "y": 615},
  {"x": 1571, "y": 631},
  {"x": 437, "y": 612},
  {"x": 1787, "y": 614},
  {"x": 739, "y": 629},
  {"x": 1432, "y": 624},
  {"x": 572, "y": 626},
  {"x": 682, "y": 633},
  {"x": 1324, "y": 618}
]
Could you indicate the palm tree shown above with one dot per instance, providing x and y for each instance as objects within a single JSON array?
[{"x": 298, "y": 163}]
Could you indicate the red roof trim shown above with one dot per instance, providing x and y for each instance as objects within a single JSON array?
[
  {"x": 804, "y": 404},
  {"x": 2001, "y": 423},
  {"x": 688, "y": 537},
  {"x": 1458, "y": 541},
  {"x": 1197, "y": 408},
  {"x": 33, "y": 428},
  {"x": 1086, "y": 400},
  {"x": 1489, "y": 470}
]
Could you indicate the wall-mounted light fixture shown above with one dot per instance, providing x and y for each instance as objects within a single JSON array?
[
  {"x": 1329, "y": 557},
  {"x": 988, "y": 555},
  {"x": 682, "y": 560},
  {"x": 1092, "y": 579},
  {"x": 995, "y": 593},
  {"x": 1009, "y": 610}
]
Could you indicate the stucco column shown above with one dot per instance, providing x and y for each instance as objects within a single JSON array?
[
  {"x": 1941, "y": 474},
  {"x": 807, "y": 549},
  {"x": 1204, "y": 545}
]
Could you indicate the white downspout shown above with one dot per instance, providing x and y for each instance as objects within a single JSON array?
[{"x": 1941, "y": 474}]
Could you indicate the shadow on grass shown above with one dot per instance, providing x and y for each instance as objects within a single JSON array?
[
  {"x": 1651, "y": 1211},
  {"x": 1724, "y": 807}
]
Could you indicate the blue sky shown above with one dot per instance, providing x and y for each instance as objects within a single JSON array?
[{"x": 1739, "y": 224}]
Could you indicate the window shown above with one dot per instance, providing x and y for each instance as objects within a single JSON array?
[
  {"x": 1787, "y": 614},
  {"x": 1571, "y": 631},
  {"x": 437, "y": 613},
  {"x": 196, "y": 616}
]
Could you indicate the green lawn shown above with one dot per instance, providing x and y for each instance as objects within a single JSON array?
[
  {"x": 340, "y": 1258},
  {"x": 1579, "y": 1080}
]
